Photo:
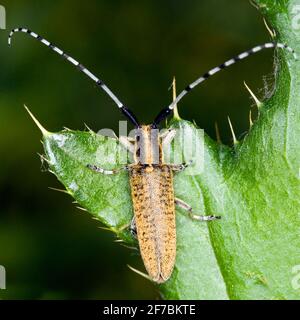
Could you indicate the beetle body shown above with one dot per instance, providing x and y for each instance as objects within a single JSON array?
[
  {"x": 151, "y": 180},
  {"x": 154, "y": 211},
  {"x": 153, "y": 202}
]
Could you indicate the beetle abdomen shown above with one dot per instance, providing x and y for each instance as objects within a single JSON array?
[{"x": 154, "y": 210}]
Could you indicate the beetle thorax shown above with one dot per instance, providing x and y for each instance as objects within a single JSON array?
[{"x": 148, "y": 150}]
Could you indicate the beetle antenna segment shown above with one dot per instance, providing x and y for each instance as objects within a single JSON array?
[
  {"x": 165, "y": 112},
  {"x": 83, "y": 69}
]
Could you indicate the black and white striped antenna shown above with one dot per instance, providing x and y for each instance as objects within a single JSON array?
[
  {"x": 83, "y": 69},
  {"x": 165, "y": 112}
]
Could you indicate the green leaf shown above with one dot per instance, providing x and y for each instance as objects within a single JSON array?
[{"x": 253, "y": 251}]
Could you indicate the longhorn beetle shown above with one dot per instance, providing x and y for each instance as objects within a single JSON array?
[{"x": 151, "y": 179}]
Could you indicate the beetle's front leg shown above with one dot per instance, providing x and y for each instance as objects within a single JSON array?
[
  {"x": 181, "y": 167},
  {"x": 127, "y": 143},
  {"x": 106, "y": 172},
  {"x": 167, "y": 137},
  {"x": 188, "y": 208}
]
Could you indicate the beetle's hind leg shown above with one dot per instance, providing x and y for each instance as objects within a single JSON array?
[
  {"x": 104, "y": 171},
  {"x": 132, "y": 228},
  {"x": 189, "y": 209}
]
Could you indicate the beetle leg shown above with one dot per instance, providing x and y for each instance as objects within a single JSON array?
[
  {"x": 188, "y": 208},
  {"x": 132, "y": 228},
  {"x": 106, "y": 172},
  {"x": 181, "y": 167},
  {"x": 127, "y": 143},
  {"x": 168, "y": 136}
]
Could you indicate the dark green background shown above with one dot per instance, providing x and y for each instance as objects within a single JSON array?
[{"x": 51, "y": 249}]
